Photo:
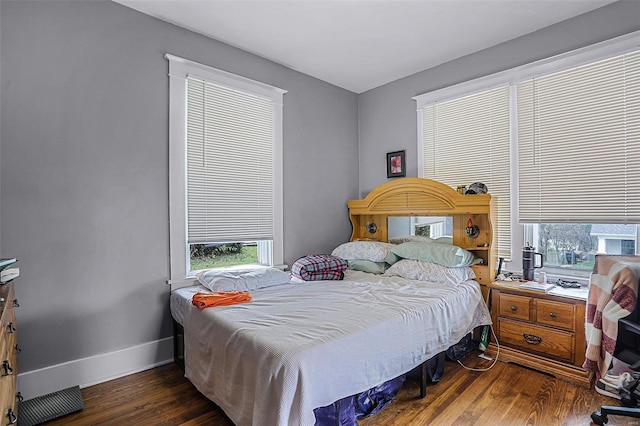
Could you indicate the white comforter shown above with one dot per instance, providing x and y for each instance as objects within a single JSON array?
[{"x": 297, "y": 347}]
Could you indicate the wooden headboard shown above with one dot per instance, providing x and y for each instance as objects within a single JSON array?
[{"x": 425, "y": 197}]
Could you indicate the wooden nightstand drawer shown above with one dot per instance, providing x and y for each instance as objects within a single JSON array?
[
  {"x": 8, "y": 356},
  {"x": 534, "y": 338},
  {"x": 7, "y": 397},
  {"x": 512, "y": 306},
  {"x": 556, "y": 314},
  {"x": 6, "y": 306},
  {"x": 8, "y": 330}
]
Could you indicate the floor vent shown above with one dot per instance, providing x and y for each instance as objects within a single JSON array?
[{"x": 48, "y": 407}]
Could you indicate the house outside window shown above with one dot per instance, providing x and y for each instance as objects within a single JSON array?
[{"x": 615, "y": 239}]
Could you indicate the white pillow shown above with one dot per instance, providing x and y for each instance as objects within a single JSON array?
[
  {"x": 245, "y": 278},
  {"x": 430, "y": 272},
  {"x": 374, "y": 251}
]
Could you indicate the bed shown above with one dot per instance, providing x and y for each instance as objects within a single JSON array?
[{"x": 302, "y": 345}]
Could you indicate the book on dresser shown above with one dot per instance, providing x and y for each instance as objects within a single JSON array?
[
  {"x": 534, "y": 285},
  {"x": 9, "y": 274},
  {"x": 7, "y": 261}
]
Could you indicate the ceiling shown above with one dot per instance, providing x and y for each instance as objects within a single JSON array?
[{"x": 362, "y": 44}]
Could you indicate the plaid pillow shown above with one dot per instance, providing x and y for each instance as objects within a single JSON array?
[{"x": 315, "y": 267}]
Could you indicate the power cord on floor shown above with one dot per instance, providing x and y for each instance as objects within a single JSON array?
[
  {"x": 485, "y": 357},
  {"x": 482, "y": 355}
]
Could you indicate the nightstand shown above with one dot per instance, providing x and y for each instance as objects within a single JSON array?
[{"x": 542, "y": 331}]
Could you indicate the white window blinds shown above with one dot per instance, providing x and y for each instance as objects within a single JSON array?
[
  {"x": 466, "y": 140},
  {"x": 230, "y": 151},
  {"x": 579, "y": 144}
]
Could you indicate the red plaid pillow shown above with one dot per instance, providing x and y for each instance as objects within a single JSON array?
[{"x": 315, "y": 267}]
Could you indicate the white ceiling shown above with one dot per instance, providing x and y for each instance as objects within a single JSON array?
[{"x": 362, "y": 44}]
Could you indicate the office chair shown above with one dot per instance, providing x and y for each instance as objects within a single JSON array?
[{"x": 628, "y": 351}]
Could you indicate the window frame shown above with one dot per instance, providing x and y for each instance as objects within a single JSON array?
[
  {"x": 179, "y": 70},
  {"x": 617, "y": 46}
]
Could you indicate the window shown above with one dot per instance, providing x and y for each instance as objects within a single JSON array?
[
  {"x": 626, "y": 247},
  {"x": 225, "y": 169},
  {"x": 579, "y": 144},
  {"x": 431, "y": 226},
  {"x": 574, "y": 143},
  {"x": 570, "y": 249},
  {"x": 578, "y": 153},
  {"x": 466, "y": 140}
]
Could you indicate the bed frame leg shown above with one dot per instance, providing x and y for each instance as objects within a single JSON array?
[
  {"x": 178, "y": 344},
  {"x": 423, "y": 380}
]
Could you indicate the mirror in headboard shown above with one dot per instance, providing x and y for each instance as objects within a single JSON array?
[
  {"x": 392, "y": 205},
  {"x": 427, "y": 226}
]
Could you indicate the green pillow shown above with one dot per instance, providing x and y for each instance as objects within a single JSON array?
[
  {"x": 367, "y": 266},
  {"x": 392, "y": 258},
  {"x": 442, "y": 254}
]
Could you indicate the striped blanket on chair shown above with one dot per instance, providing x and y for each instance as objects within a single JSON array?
[{"x": 606, "y": 304}]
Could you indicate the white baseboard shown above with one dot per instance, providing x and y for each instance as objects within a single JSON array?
[{"x": 95, "y": 369}]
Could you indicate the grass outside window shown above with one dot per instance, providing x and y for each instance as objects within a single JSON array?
[{"x": 206, "y": 256}]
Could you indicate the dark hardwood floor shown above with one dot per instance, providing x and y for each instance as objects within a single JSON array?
[{"x": 505, "y": 395}]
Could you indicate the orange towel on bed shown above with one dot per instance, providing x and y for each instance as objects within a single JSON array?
[{"x": 208, "y": 300}]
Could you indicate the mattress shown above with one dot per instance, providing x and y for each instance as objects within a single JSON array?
[
  {"x": 180, "y": 299},
  {"x": 300, "y": 346}
]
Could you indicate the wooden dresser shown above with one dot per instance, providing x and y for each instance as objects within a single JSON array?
[
  {"x": 8, "y": 355},
  {"x": 540, "y": 331}
]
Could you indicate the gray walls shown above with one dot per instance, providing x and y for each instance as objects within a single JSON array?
[
  {"x": 84, "y": 169},
  {"x": 387, "y": 114},
  {"x": 84, "y": 158}
]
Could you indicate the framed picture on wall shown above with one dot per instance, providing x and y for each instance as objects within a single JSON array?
[{"x": 396, "y": 166}]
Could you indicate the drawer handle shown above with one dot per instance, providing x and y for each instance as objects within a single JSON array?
[
  {"x": 552, "y": 315},
  {"x": 15, "y": 303},
  {"x": 532, "y": 339},
  {"x": 17, "y": 349},
  {"x": 19, "y": 397},
  {"x": 13, "y": 419},
  {"x": 11, "y": 328},
  {"x": 514, "y": 308},
  {"x": 7, "y": 368}
]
